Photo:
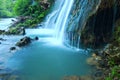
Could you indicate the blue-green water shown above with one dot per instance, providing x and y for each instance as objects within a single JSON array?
[{"x": 45, "y": 60}]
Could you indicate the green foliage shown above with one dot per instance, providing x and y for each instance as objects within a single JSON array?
[
  {"x": 36, "y": 12},
  {"x": 114, "y": 73},
  {"x": 21, "y": 6},
  {"x": 6, "y": 8}
]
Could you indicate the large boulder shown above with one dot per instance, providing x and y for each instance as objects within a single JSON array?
[{"x": 24, "y": 41}]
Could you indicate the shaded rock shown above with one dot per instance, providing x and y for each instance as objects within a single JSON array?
[
  {"x": 13, "y": 48},
  {"x": 20, "y": 19},
  {"x": 92, "y": 61},
  {"x": 16, "y": 31},
  {"x": 36, "y": 38},
  {"x": 2, "y": 31},
  {"x": 2, "y": 39},
  {"x": 24, "y": 41},
  {"x": 87, "y": 77},
  {"x": 98, "y": 73},
  {"x": 101, "y": 24},
  {"x": 45, "y": 4},
  {"x": 0, "y": 42},
  {"x": 13, "y": 77}
]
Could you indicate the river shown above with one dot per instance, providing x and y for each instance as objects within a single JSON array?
[{"x": 45, "y": 59}]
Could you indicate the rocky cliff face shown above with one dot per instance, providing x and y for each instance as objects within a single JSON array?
[
  {"x": 100, "y": 25},
  {"x": 95, "y": 24}
]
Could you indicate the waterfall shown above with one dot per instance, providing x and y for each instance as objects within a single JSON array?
[
  {"x": 69, "y": 17},
  {"x": 50, "y": 22},
  {"x": 58, "y": 18},
  {"x": 80, "y": 12},
  {"x": 61, "y": 21}
]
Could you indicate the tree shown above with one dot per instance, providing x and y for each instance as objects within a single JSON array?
[
  {"x": 21, "y": 6},
  {"x": 6, "y": 8}
]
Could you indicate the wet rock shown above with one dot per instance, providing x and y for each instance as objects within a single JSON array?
[
  {"x": 108, "y": 10},
  {"x": 92, "y": 61},
  {"x": 36, "y": 38},
  {"x": 98, "y": 73},
  {"x": 44, "y": 4},
  {"x": 13, "y": 48},
  {"x": 24, "y": 41},
  {"x": 103, "y": 63},
  {"x": 8, "y": 74},
  {"x": 1, "y": 39},
  {"x": 13, "y": 77},
  {"x": 16, "y": 31},
  {"x": 2, "y": 31},
  {"x": 19, "y": 19},
  {"x": 87, "y": 77}
]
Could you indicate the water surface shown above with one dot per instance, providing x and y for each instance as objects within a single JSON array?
[{"x": 46, "y": 59}]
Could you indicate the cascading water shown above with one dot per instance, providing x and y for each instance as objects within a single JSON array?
[
  {"x": 62, "y": 19},
  {"x": 51, "y": 20},
  {"x": 69, "y": 18},
  {"x": 80, "y": 12},
  {"x": 57, "y": 20}
]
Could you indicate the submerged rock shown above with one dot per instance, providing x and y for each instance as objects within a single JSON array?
[
  {"x": 13, "y": 48},
  {"x": 86, "y": 77},
  {"x": 71, "y": 78},
  {"x": 92, "y": 61},
  {"x": 24, "y": 41}
]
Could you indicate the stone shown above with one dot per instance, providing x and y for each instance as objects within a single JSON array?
[
  {"x": 98, "y": 73},
  {"x": 44, "y": 4},
  {"x": 13, "y": 77},
  {"x": 15, "y": 31},
  {"x": 92, "y": 61},
  {"x": 24, "y": 41},
  {"x": 36, "y": 38},
  {"x": 13, "y": 48},
  {"x": 2, "y": 31},
  {"x": 2, "y": 39},
  {"x": 103, "y": 22}
]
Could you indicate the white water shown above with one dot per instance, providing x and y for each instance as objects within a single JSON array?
[
  {"x": 62, "y": 19},
  {"x": 5, "y": 23},
  {"x": 50, "y": 22},
  {"x": 57, "y": 20}
]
